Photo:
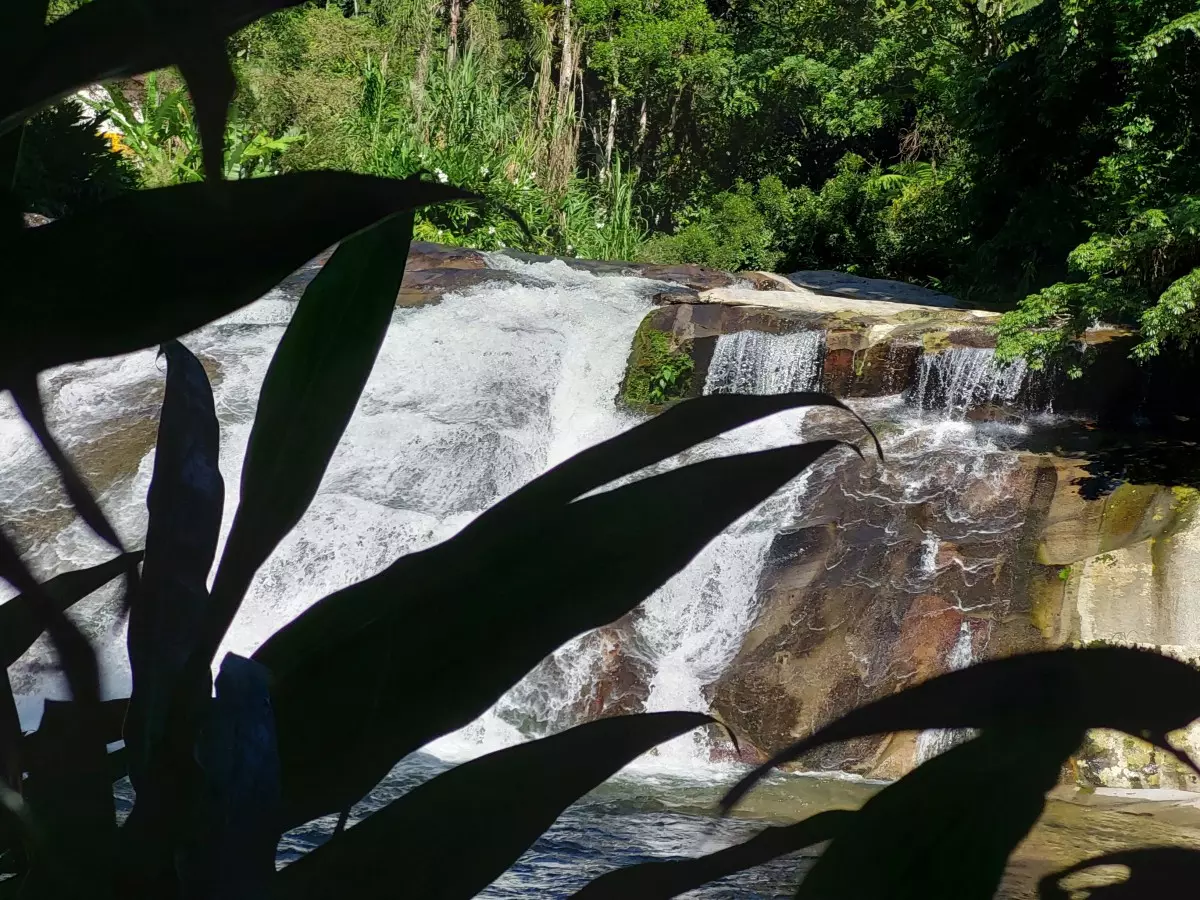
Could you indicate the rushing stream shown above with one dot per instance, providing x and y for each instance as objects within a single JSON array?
[{"x": 471, "y": 398}]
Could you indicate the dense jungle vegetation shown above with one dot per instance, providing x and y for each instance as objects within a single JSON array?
[{"x": 1034, "y": 157}]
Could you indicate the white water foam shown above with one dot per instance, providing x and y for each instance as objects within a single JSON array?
[
  {"x": 964, "y": 377},
  {"x": 753, "y": 362}
]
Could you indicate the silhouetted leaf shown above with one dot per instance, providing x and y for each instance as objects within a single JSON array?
[
  {"x": 1154, "y": 872},
  {"x": 111, "y": 39},
  {"x": 110, "y": 721},
  {"x": 69, "y": 791},
  {"x": 680, "y": 427},
  {"x": 310, "y": 391},
  {"x": 662, "y": 880},
  {"x": 75, "y": 654},
  {"x": 20, "y": 621},
  {"x": 1135, "y": 691},
  {"x": 653, "y": 441},
  {"x": 185, "y": 501},
  {"x": 25, "y": 392},
  {"x": 235, "y": 831},
  {"x": 260, "y": 229},
  {"x": 945, "y": 830},
  {"x": 468, "y": 618},
  {"x": 11, "y": 765},
  {"x": 211, "y": 84},
  {"x": 453, "y": 835}
]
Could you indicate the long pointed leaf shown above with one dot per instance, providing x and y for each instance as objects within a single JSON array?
[
  {"x": 185, "y": 502},
  {"x": 663, "y": 880},
  {"x": 107, "y": 40},
  {"x": 928, "y": 837},
  {"x": 75, "y": 654},
  {"x": 468, "y": 618},
  {"x": 25, "y": 392},
  {"x": 70, "y": 795},
  {"x": 233, "y": 855},
  {"x": 1135, "y": 691},
  {"x": 211, "y": 84},
  {"x": 453, "y": 835},
  {"x": 680, "y": 427},
  {"x": 200, "y": 254},
  {"x": 21, "y": 622},
  {"x": 310, "y": 391}
]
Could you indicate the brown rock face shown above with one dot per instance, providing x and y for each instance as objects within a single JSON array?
[{"x": 881, "y": 587}]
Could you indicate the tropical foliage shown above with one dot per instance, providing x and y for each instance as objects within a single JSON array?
[{"x": 327, "y": 705}]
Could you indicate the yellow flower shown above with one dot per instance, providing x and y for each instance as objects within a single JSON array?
[{"x": 115, "y": 142}]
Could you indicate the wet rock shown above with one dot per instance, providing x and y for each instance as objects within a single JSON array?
[
  {"x": 33, "y": 220},
  {"x": 860, "y": 604}
]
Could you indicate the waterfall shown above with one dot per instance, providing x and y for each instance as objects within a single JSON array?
[
  {"x": 963, "y": 377},
  {"x": 753, "y": 362}
]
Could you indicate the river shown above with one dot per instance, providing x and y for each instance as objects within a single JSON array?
[{"x": 471, "y": 398}]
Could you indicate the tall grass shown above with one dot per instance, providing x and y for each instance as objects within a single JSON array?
[{"x": 474, "y": 129}]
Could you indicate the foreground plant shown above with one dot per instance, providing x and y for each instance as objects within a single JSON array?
[{"x": 325, "y": 708}]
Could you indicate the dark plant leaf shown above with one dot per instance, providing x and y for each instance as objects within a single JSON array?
[
  {"x": 21, "y": 622},
  {"x": 680, "y": 427},
  {"x": 205, "y": 67},
  {"x": 261, "y": 229},
  {"x": 1136, "y": 691},
  {"x": 453, "y": 835},
  {"x": 11, "y": 758},
  {"x": 185, "y": 502},
  {"x": 1154, "y": 872},
  {"x": 653, "y": 441},
  {"x": 662, "y": 880},
  {"x": 106, "y": 40},
  {"x": 75, "y": 654},
  {"x": 69, "y": 791},
  {"x": 468, "y": 618},
  {"x": 308, "y": 396},
  {"x": 235, "y": 831},
  {"x": 110, "y": 722},
  {"x": 25, "y": 392},
  {"x": 945, "y": 830}
]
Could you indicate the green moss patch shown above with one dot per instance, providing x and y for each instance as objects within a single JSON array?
[{"x": 660, "y": 370}]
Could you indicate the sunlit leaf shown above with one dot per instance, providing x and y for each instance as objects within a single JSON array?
[{"x": 453, "y": 835}]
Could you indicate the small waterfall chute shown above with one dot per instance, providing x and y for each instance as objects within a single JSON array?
[
  {"x": 754, "y": 362},
  {"x": 961, "y": 378}
]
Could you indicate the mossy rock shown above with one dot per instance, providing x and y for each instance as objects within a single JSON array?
[
  {"x": 933, "y": 341},
  {"x": 660, "y": 370}
]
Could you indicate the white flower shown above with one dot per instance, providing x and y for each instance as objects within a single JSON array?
[
  {"x": 570, "y": 249},
  {"x": 502, "y": 245},
  {"x": 599, "y": 225},
  {"x": 491, "y": 229},
  {"x": 483, "y": 170},
  {"x": 441, "y": 176},
  {"x": 533, "y": 176}
]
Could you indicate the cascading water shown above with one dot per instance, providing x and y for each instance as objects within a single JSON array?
[
  {"x": 964, "y": 377},
  {"x": 754, "y": 362}
]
